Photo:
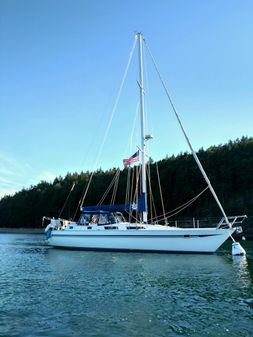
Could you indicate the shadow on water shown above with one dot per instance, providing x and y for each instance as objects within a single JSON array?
[
  {"x": 23, "y": 244},
  {"x": 170, "y": 267},
  {"x": 171, "y": 294},
  {"x": 92, "y": 293}
]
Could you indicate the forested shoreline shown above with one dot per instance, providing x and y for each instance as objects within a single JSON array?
[{"x": 228, "y": 166}]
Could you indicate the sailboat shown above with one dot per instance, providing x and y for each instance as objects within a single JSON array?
[{"x": 103, "y": 227}]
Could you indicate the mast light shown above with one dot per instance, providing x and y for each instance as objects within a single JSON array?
[{"x": 148, "y": 137}]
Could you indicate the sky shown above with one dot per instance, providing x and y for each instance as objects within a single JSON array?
[{"x": 61, "y": 69}]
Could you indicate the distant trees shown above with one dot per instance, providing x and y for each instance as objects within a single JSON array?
[{"x": 228, "y": 166}]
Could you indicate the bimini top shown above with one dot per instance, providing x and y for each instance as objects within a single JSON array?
[{"x": 106, "y": 208}]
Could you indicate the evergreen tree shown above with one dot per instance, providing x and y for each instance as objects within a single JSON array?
[{"x": 229, "y": 168}]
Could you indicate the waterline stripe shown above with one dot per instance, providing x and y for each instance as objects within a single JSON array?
[{"x": 133, "y": 236}]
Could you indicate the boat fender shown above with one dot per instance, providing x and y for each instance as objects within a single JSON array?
[
  {"x": 237, "y": 249},
  {"x": 49, "y": 226},
  {"x": 48, "y": 233}
]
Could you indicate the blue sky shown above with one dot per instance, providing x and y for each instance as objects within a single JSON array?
[{"x": 61, "y": 65}]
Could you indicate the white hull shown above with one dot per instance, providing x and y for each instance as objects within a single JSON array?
[{"x": 194, "y": 240}]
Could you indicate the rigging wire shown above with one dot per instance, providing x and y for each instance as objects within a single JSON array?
[
  {"x": 79, "y": 202},
  {"x": 134, "y": 125},
  {"x": 65, "y": 203},
  {"x": 179, "y": 208},
  {"x": 152, "y": 201},
  {"x": 150, "y": 191},
  {"x": 187, "y": 139},
  {"x": 109, "y": 187},
  {"x": 160, "y": 189},
  {"x": 148, "y": 102},
  {"x": 111, "y": 117}
]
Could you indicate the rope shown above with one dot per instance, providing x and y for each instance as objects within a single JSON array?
[
  {"x": 108, "y": 188},
  {"x": 131, "y": 216},
  {"x": 115, "y": 188},
  {"x": 131, "y": 191},
  {"x": 137, "y": 185},
  {"x": 187, "y": 139},
  {"x": 134, "y": 193},
  {"x": 128, "y": 185},
  {"x": 151, "y": 197}
]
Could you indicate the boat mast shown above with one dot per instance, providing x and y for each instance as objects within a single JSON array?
[{"x": 143, "y": 140}]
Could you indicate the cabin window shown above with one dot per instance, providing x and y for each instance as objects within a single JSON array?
[
  {"x": 111, "y": 227},
  {"x": 119, "y": 218},
  {"x": 84, "y": 219},
  {"x": 103, "y": 219},
  {"x": 94, "y": 219},
  {"x": 111, "y": 218}
]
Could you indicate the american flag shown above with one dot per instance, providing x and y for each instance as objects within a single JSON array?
[{"x": 132, "y": 159}]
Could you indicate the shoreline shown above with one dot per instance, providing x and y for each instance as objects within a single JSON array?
[{"x": 12, "y": 230}]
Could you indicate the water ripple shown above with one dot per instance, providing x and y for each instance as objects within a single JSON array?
[{"x": 49, "y": 292}]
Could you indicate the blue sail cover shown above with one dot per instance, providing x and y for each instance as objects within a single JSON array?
[
  {"x": 140, "y": 207},
  {"x": 141, "y": 203}
]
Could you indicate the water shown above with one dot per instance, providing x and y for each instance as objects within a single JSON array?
[{"x": 49, "y": 292}]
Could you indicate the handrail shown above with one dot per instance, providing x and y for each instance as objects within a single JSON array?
[{"x": 235, "y": 219}]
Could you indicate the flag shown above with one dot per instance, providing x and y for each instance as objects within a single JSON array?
[{"x": 132, "y": 159}]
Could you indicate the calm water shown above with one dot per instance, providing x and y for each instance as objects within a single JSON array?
[{"x": 49, "y": 292}]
